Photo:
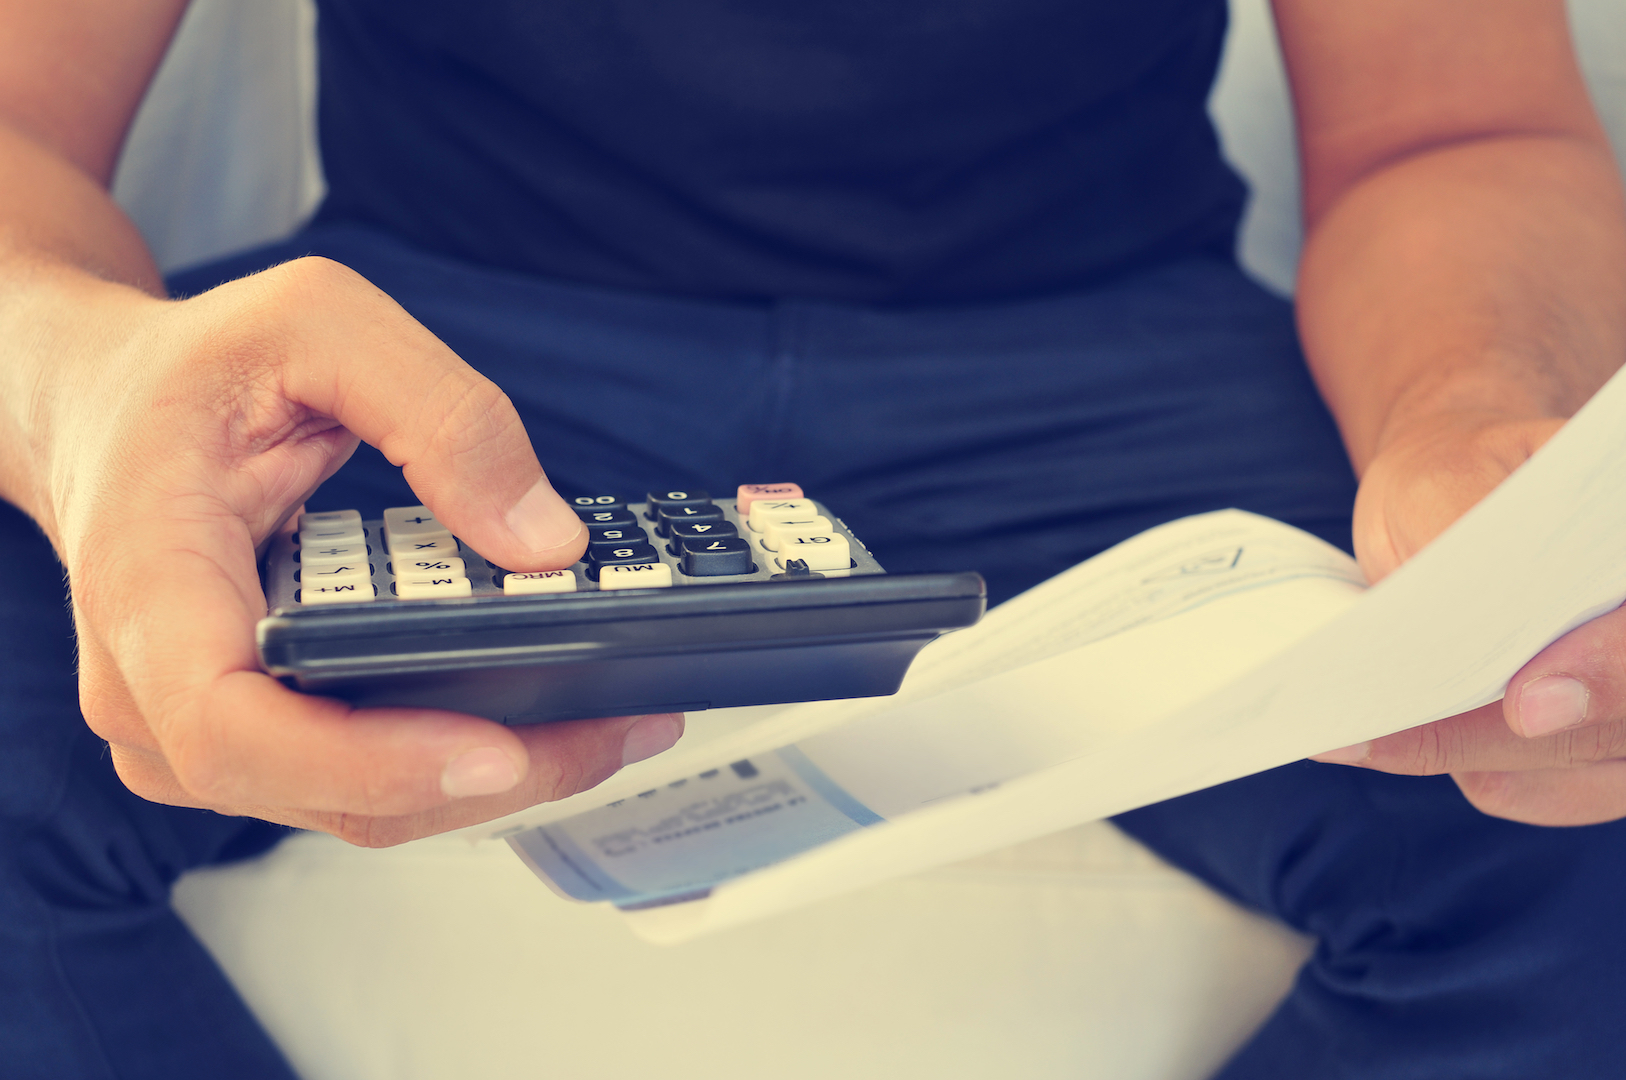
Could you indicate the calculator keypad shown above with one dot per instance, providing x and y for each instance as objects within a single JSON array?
[{"x": 675, "y": 538}]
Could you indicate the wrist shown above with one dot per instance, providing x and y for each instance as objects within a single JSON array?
[{"x": 65, "y": 340}]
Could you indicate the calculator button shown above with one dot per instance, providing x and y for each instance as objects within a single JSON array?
[
  {"x": 640, "y": 552},
  {"x": 774, "y": 535},
  {"x": 670, "y": 514},
  {"x": 546, "y": 581},
  {"x": 824, "y": 552},
  {"x": 765, "y": 512},
  {"x": 618, "y": 537},
  {"x": 620, "y": 518},
  {"x": 328, "y": 535},
  {"x": 796, "y": 570},
  {"x": 635, "y": 576},
  {"x": 717, "y": 557},
  {"x": 689, "y": 530},
  {"x": 750, "y": 493},
  {"x": 598, "y": 502},
  {"x": 447, "y": 567},
  {"x": 335, "y": 574},
  {"x": 332, "y": 553},
  {"x": 425, "y": 546},
  {"x": 430, "y": 587},
  {"x": 336, "y": 594},
  {"x": 411, "y": 520},
  {"x": 664, "y": 500},
  {"x": 330, "y": 517}
]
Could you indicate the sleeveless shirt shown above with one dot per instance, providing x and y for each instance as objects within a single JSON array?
[{"x": 902, "y": 152}]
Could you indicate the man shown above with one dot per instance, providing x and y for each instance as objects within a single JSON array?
[{"x": 961, "y": 269}]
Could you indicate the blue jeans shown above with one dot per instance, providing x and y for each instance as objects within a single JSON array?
[{"x": 1015, "y": 439}]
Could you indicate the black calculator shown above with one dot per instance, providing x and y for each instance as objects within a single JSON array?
[{"x": 681, "y": 603}]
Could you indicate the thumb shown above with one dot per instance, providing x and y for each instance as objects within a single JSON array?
[
  {"x": 1578, "y": 681},
  {"x": 368, "y": 364}
]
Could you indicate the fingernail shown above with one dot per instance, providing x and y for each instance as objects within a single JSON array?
[
  {"x": 486, "y": 771},
  {"x": 650, "y": 736},
  {"x": 1552, "y": 703},
  {"x": 1346, "y": 755},
  {"x": 541, "y": 519}
]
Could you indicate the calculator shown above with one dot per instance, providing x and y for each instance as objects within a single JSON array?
[{"x": 681, "y": 603}]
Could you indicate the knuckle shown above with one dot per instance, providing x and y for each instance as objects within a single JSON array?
[
  {"x": 306, "y": 277},
  {"x": 1591, "y": 744},
  {"x": 196, "y": 763},
  {"x": 1490, "y": 793},
  {"x": 368, "y": 831},
  {"x": 377, "y": 793},
  {"x": 106, "y": 712},
  {"x": 475, "y": 415},
  {"x": 1430, "y": 750},
  {"x": 145, "y": 778},
  {"x": 556, "y": 779}
]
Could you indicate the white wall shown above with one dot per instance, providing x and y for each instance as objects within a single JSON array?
[{"x": 223, "y": 151}]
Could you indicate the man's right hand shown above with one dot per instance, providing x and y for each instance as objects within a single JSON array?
[
  {"x": 174, "y": 438},
  {"x": 159, "y": 442}
]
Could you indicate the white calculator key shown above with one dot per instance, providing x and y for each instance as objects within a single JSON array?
[
  {"x": 427, "y": 587},
  {"x": 327, "y": 554},
  {"x": 765, "y": 512},
  {"x": 407, "y": 520},
  {"x": 349, "y": 573},
  {"x": 329, "y": 535},
  {"x": 774, "y": 534},
  {"x": 447, "y": 567},
  {"x": 637, "y": 576},
  {"x": 422, "y": 546},
  {"x": 822, "y": 552},
  {"x": 336, "y": 594},
  {"x": 329, "y": 518},
  {"x": 545, "y": 581}
]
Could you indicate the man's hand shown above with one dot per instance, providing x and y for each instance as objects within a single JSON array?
[
  {"x": 1459, "y": 295},
  {"x": 1553, "y": 751},
  {"x": 158, "y": 443},
  {"x": 171, "y": 439}
]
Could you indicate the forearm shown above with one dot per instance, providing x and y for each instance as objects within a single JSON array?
[
  {"x": 1484, "y": 277},
  {"x": 69, "y": 260}
]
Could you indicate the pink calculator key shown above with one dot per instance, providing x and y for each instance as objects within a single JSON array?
[{"x": 750, "y": 493}]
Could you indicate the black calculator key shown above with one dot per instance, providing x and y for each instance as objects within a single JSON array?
[
  {"x": 711, "y": 530},
  {"x": 641, "y": 552},
  {"x": 717, "y": 557},
  {"x": 598, "y": 502},
  {"x": 608, "y": 519},
  {"x": 671, "y": 515},
  {"x": 621, "y": 536},
  {"x": 660, "y": 501}
]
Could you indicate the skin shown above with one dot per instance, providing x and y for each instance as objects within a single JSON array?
[
  {"x": 1462, "y": 294},
  {"x": 160, "y": 443}
]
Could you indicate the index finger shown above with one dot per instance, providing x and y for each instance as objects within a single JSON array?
[
  {"x": 1479, "y": 741},
  {"x": 357, "y": 356}
]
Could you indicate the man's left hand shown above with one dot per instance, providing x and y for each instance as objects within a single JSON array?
[{"x": 1553, "y": 751}]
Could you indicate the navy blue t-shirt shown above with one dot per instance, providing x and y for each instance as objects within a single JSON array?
[{"x": 903, "y": 152}]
